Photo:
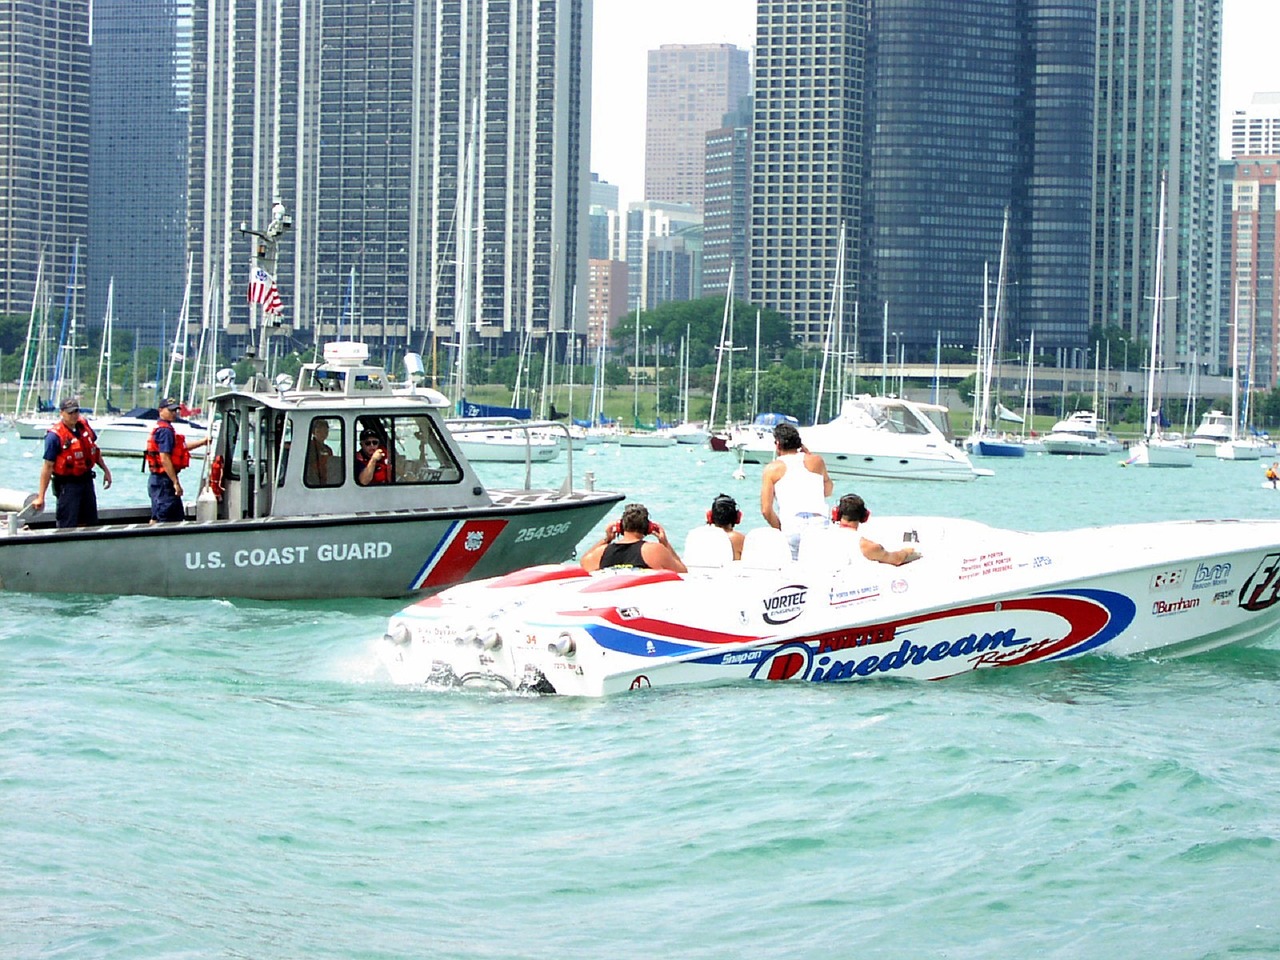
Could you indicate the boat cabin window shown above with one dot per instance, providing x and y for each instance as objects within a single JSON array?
[
  {"x": 324, "y": 463},
  {"x": 231, "y": 430},
  {"x": 413, "y": 451}
]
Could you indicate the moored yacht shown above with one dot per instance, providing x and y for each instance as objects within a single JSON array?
[
  {"x": 880, "y": 437},
  {"x": 1082, "y": 434},
  {"x": 1214, "y": 428}
]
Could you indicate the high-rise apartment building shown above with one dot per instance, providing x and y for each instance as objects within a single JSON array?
[
  {"x": 606, "y": 302},
  {"x": 1255, "y": 130},
  {"x": 727, "y": 206},
  {"x": 1252, "y": 269},
  {"x": 140, "y": 100},
  {"x": 605, "y": 231},
  {"x": 1157, "y": 114},
  {"x": 806, "y": 157},
  {"x": 433, "y": 156},
  {"x": 690, "y": 89},
  {"x": 646, "y": 221},
  {"x": 44, "y": 151}
]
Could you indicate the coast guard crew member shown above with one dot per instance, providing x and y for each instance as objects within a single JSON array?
[
  {"x": 167, "y": 454},
  {"x": 70, "y": 454}
]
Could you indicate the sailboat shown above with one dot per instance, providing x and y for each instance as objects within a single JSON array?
[
  {"x": 1158, "y": 449},
  {"x": 1236, "y": 446},
  {"x": 1030, "y": 443},
  {"x": 63, "y": 376},
  {"x": 985, "y": 441},
  {"x": 687, "y": 431},
  {"x": 638, "y": 436}
]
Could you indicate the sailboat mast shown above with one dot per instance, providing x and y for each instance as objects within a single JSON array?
[
  {"x": 1152, "y": 411},
  {"x": 720, "y": 345},
  {"x": 104, "y": 349},
  {"x": 26, "y": 351}
]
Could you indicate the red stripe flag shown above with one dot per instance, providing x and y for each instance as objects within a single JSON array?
[{"x": 263, "y": 290}]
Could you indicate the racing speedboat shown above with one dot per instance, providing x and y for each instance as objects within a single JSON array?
[{"x": 979, "y": 598}]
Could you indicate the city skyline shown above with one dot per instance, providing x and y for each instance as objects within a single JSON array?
[{"x": 625, "y": 33}]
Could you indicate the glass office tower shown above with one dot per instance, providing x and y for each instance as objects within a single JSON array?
[{"x": 141, "y": 93}]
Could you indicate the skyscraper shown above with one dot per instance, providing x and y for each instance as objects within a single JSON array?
[
  {"x": 806, "y": 156},
  {"x": 1255, "y": 130},
  {"x": 44, "y": 150},
  {"x": 727, "y": 208},
  {"x": 1252, "y": 268},
  {"x": 1157, "y": 113},
  {"x": 975, "y": 108},
  {"x": 646, "y": 221},
  {"x": 433, "y": 155},
  {"x": 690, "y": 89},
  {"x": 141, "y": 94}
]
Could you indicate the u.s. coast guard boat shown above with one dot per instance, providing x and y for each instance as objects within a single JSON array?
[
  {"x": 979, "y": 598},
  {"x": 283, "y": 515}
]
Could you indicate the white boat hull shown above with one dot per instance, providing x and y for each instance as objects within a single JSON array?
[
  {"x": 901, "y": 444},
  {"x": 646, "y": 440},
  {"x": 1156, "y": 453},
  {"x": 127, "y": 436},
  {"x": 1238, "y": 450},
  {"x": 498, "y": 449},
  {"x": 980, "y": 598}
]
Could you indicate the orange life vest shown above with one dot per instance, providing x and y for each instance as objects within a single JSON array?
[
  {"x": 79, "y": 451},
  {"x": 180, "y": 456}
]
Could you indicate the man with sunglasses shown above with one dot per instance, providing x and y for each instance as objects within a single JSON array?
[
  {"x": 371, "y": 460},
  {"x": 70, "y": 454}
]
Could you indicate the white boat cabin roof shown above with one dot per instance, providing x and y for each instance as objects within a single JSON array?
[{"x": 300, "y": 450}]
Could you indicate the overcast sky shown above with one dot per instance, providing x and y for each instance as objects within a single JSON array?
[{"x": 626, "y": 30}]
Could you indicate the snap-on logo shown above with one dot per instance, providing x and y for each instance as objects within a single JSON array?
[{"x": 786, "y": 604}]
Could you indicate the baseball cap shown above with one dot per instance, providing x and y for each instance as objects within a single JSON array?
[
  {"x": 71, "y": 403},
  {"x": 169, "y": 403}
]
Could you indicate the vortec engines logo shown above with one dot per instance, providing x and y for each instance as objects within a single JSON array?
[{"x": 786, "y": 604}]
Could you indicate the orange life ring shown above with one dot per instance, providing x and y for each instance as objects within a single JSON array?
[{"x": 215, "y": 477}]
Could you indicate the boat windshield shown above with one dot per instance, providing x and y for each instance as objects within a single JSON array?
[{"x": 415, "y": 450}]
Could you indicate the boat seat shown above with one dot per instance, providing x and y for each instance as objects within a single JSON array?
[
  {"x": 707, "y": 546},
  {"x": 765, "y": 548},
  {"x": 830, "y": 547}
]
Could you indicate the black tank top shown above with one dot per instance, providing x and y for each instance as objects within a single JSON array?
[{"x": 624, "y": 555}]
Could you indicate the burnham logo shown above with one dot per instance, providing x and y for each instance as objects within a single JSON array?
[{"x": 786, "y": 604}]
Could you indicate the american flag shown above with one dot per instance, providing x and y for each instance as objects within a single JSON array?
[{"x": 263, "y": 290}]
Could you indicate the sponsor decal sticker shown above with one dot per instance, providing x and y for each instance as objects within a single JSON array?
[
  {"x": 1260, "y": 589},
  {"x": 1165, "y": 608},
  {"x": 786, "y": 604},
  {"x": 1211, "y": 575},
  {"x": 843, "y": 595},
  {"x": 1167, "y": 579}
]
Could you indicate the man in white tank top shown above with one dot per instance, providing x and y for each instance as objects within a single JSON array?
[{"x": 794, "y": 487}]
